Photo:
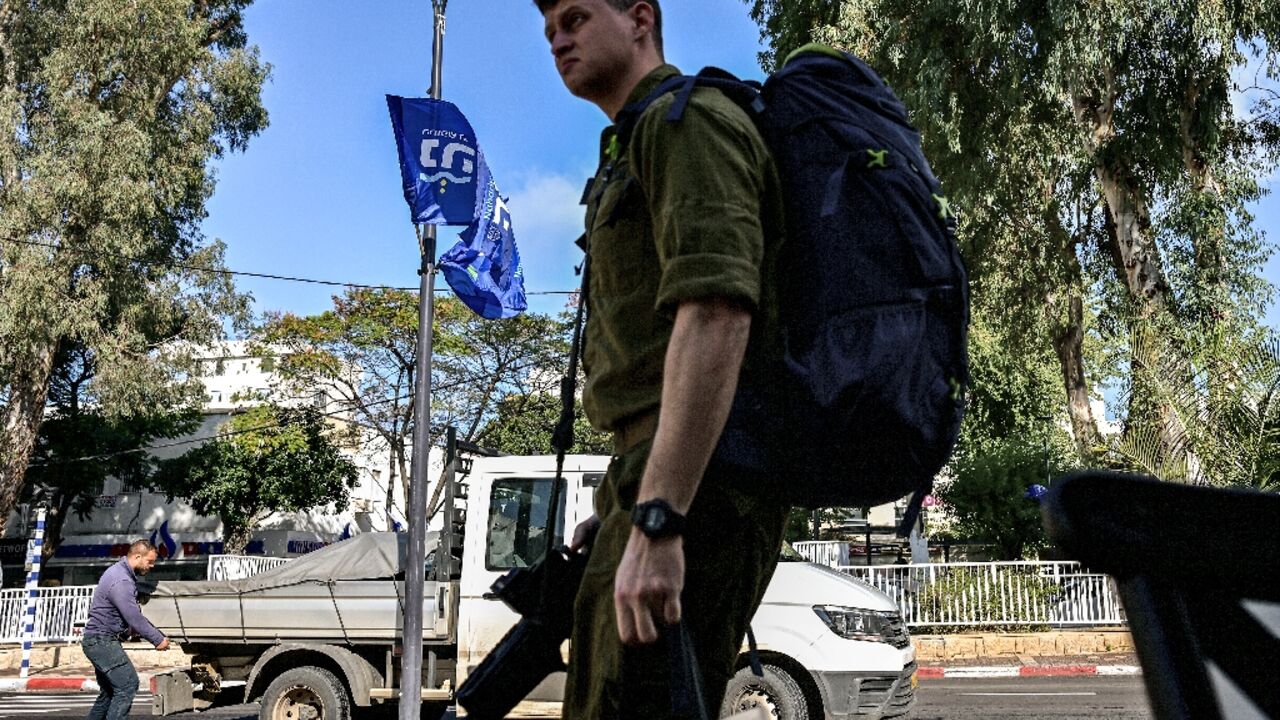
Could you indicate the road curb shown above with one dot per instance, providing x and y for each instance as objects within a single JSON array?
[
  {"x": 1005, "y": 671},
  {"x": 49, "y": 685}
]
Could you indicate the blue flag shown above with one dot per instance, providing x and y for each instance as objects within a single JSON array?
[
  {"x": 447, "y": 182},
  {"x": 439, "y": 160}
]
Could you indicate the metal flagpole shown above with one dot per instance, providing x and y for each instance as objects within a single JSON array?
[
  {"x": 33, "y": 592},
  {"x": 415, "y": 573}
]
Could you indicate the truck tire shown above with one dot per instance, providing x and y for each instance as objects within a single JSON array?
[
  {"x": 306, "y": 693},
  {"x": 777, "y": 692}
]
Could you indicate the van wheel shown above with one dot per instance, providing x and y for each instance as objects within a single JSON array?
[
  {"x": 777, "y": 692},
  {"x": 306, "y": 693}
]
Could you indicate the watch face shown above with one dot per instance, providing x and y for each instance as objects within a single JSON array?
[{"x": 653, "y": 518}]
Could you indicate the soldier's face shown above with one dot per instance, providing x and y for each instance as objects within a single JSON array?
[{"x": 593, "y": 45}]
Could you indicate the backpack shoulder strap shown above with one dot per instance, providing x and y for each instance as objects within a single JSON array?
[{"x": 746, "y": 94}]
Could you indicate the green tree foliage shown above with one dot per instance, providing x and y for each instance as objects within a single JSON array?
[
  {"x": 523, "y": 426},
  {"x": 80, "y": 446},
  {"x": 110, "y": 113},
  {"x": 267, "y": 459},
  {"x": 1101, "y": 171},
  {"x": 364, "y": 351},
  {"x": 1012, "y": 396},
  {"x": 987, "y": 496},
  {"x": 1228, "y": 417}
]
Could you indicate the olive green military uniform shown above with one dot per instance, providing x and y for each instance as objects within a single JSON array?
[{"x": 686, "y": 211}]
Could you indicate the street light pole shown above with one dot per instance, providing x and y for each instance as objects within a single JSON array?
[{"x": 415, "y": 573}]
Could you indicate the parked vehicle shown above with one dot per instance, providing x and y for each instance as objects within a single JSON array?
[{"x": 321, "y": 636}]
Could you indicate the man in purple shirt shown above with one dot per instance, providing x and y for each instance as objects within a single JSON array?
[{"x": 114, "y": 615}]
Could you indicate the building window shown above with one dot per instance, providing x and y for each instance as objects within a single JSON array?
[{"x": 518, "y": 523}]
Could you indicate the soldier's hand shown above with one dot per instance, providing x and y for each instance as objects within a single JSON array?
[
  {"x": 647, "y": 586},
  {"x": 164, "y": 644},
  {"x": 585, "y": 533}
]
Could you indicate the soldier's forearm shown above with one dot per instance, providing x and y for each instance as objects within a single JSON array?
[{"x": 700, "y": 376}]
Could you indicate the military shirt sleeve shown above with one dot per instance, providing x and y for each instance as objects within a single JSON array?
[{"x": 703, "y": 178}]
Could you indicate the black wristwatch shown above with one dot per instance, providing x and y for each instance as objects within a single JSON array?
[{"x": 657, "y": 519}]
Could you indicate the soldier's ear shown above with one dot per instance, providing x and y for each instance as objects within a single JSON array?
[{"x": 643, "y": 19}]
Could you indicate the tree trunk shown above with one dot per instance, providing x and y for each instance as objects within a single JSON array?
[
  {"x": 390, "y": 490},
  {"x": 1132, "y": 243},
  {"x": 1135, "y": 246},
  {"x": 20, "y": 420},
  {"x": 235, "y": 538},
  {"x": 1068, "y": 343},
  {"x": 405, "y": 480},
  {"x": 54, "y": 521},
  {"x": 1065, "y": 313}
]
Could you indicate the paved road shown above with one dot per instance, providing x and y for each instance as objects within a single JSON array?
[
  {"x": 67, "y": 707},
  {"x": 1067, "y": 698},
  {"x": 1059, "y": 698}
]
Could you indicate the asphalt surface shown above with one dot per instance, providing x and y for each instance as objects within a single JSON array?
[{"x": 1059, "y": 698}]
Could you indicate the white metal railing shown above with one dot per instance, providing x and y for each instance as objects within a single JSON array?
[
  {"x": 61, "y": 613},
  {"x": 832, "y": 553},
  {"x": 238, "y": 567},
  {"x": 996, "y": 593}
]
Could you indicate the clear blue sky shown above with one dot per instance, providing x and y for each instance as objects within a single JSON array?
[{"x": 318, "y": 193}]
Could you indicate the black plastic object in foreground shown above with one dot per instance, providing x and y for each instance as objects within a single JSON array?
[
  {"x": 1184, "y": 559},
  {"x": 530, "y": 651}
]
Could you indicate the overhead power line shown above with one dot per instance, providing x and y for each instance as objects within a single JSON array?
[{"x": 247, "y": 273}]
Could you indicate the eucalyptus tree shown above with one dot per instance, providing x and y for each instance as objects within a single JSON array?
[
  {"x": 110, "y": 113},
  {"x": 1094, "y": 154}
]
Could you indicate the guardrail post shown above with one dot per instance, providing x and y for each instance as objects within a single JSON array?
[{"x": 33, "y": 591}]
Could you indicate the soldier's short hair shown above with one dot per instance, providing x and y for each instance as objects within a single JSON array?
[{"x": 545, "y": 5}]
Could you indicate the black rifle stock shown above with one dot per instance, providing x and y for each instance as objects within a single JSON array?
[{"x": 543, "y": 595}]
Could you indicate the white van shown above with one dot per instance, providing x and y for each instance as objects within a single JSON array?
[{"x": 831, "y": 646}]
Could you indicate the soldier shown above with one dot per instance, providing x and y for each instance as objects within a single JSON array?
[{"x": 683, "y": 229}]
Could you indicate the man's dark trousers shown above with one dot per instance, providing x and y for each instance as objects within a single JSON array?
[{"x": 117, "y": 680}]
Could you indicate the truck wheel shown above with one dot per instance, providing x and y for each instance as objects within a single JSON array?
[
  {"x": 777, "y": 692},
  {"x": 305, "y": 693}
]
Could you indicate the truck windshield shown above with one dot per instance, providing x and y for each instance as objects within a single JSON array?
[{"x": 518, "y": 522}]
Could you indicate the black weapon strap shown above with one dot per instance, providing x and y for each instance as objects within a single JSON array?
[
  {"x": 687, "y": 698},
  {"x": 562, "y": 438}
]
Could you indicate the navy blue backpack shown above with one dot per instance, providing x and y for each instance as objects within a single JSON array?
[{"x": 866, "y": 403}]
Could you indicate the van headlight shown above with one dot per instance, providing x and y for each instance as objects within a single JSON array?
[{"x": 858, "y": 623}]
